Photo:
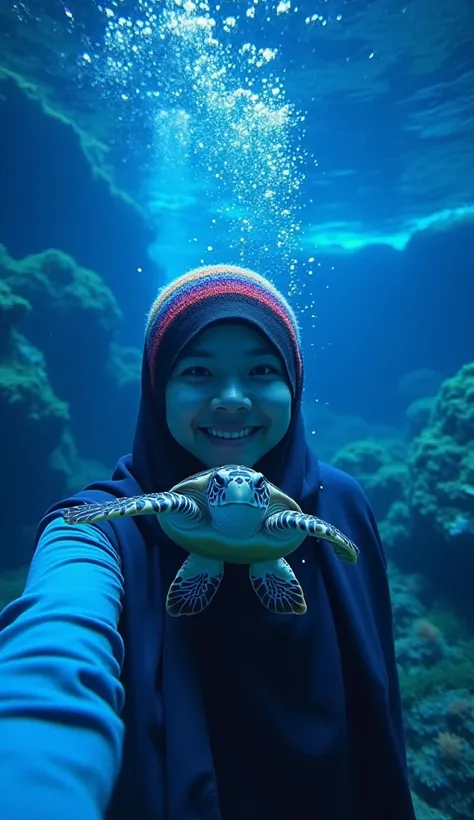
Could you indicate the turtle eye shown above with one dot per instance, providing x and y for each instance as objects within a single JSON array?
[
  {"x": 219, "y": 480},
  {"x": 260, "y": 482}
]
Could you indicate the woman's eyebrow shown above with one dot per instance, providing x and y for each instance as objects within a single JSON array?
[
  {"x": 197, "y": 353},
  {"x": 203, "y": 353}
]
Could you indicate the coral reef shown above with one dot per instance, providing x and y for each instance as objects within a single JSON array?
[
  {"x": 440, "y": 736},
  {"x": 424, "y": 812},
  {"x": 12, "y": 309},
  {"x": 422, "y": 487},
  {"x": 33, "y": 420},
  {"x": 407, "y": 599},
  {"x": 125, "y": 365},
  {"x": 65, "y": 298},
  {"x": 58, "y": 323},
  {"x": 441, "y": 461},
  {"x": 73, "y": 319},
  {"x": 435, "y": 657},
  {"x": 380, "y": 466},
  {"x": 419, "y": 384},
  {"x": 418, "y": 415}
]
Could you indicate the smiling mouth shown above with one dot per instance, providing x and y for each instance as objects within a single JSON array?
[{"x": 243, "y": 434}]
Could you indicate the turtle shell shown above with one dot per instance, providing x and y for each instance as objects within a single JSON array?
[
  {"x": 203, "y": 539},
  {"x": 194, "y": 483}
]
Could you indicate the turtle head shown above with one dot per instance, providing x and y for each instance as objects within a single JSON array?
[{"x": 238, "y": 499}]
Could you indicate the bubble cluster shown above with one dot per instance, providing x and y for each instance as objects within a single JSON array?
[{"x": 218, "y": 110}]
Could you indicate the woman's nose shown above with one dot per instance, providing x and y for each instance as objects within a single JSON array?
[{"x": 231, "y": 398}]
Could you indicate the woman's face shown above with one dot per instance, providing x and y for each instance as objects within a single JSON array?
[{"x": 228, "y": 400}]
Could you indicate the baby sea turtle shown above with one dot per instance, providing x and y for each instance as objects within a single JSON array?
[{"x": 231, "y": 514}]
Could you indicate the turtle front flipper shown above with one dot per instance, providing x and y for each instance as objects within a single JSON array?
[
  {"x": 343, "y": 547},
  {"x": 151, "y": 504},
  {"x": 278, "y": 588},
  {"x": 194, "y": 586}
]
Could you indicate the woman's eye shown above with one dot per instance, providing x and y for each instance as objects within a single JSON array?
[
  {"x": 264, "y": 370},
  {"x": 196, "y": 371}
]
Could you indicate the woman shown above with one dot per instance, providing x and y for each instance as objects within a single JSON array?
[{"x": 111, "y": 708}]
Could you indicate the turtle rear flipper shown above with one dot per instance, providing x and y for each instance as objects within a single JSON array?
[
  {"x": 278, "y": 588},
  {"x": 194, "y": 586},
  {"x": 150, "y": 504}
]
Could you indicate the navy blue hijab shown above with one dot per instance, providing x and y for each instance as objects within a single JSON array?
[{"x": 239, "y": 713}]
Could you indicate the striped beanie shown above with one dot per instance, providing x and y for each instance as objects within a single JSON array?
[{"x": 215, "y": 293}]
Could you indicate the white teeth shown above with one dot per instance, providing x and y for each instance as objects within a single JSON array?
[{"x": 237, "y": 434}]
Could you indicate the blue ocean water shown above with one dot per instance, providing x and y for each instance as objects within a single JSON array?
[{"x": 328, "y": 145}]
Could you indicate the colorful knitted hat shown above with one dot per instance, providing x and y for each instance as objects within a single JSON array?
[{"x": 211, "y": 294}]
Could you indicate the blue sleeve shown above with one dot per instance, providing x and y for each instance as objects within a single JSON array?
[{"x": 61, "y": 735}]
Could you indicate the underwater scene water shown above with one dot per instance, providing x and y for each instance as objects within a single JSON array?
[{"x": 327, "y": 145}]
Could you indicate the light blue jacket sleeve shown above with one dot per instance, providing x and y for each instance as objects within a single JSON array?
[{"x": 61, "y": 735}]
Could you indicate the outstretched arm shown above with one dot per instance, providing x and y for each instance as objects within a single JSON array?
[{"x": 60, "y": 697}]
